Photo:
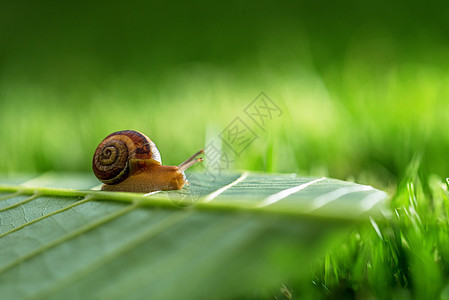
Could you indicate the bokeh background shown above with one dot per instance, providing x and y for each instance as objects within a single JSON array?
[{"x": 364, "y": 85}]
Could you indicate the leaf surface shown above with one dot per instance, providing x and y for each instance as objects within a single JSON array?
[{"x": 228, "y": 236}]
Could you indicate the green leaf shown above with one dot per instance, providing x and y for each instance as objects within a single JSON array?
[{"x": 239, "y": 234}]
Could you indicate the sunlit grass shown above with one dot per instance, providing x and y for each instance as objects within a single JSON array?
[{"x": 404, "y": 257}]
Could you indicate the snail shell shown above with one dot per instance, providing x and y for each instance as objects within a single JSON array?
[{"x": 111, "y": 159}]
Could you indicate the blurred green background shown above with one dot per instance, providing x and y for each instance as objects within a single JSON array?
[{"x": 363, "y": 85}]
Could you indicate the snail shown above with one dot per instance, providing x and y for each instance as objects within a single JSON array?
[{"x": 128, "y": 161}]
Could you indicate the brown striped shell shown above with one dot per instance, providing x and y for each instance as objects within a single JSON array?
[{"x": 111, "y": 159}]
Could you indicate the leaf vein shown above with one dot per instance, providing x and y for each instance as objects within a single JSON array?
[
  {"x": 69, "y": 236},
  {"x": 213, "y": 195},
  {"x": 285, "y": 193},
  {"x": 20, "y": 203},
  {"x": 86, "y": 199}
]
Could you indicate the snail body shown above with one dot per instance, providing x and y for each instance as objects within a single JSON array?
[{"x": 128, "y": 161}]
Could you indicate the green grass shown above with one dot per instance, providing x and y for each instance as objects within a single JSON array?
[
  {"x": 404, "y": 257},
  {"x": 363, "y": 88}
]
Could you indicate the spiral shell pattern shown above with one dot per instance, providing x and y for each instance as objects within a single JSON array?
[{"x": 111, "y": 159}]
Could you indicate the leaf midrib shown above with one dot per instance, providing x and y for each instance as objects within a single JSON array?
[{"x": 154, "y": 201}]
